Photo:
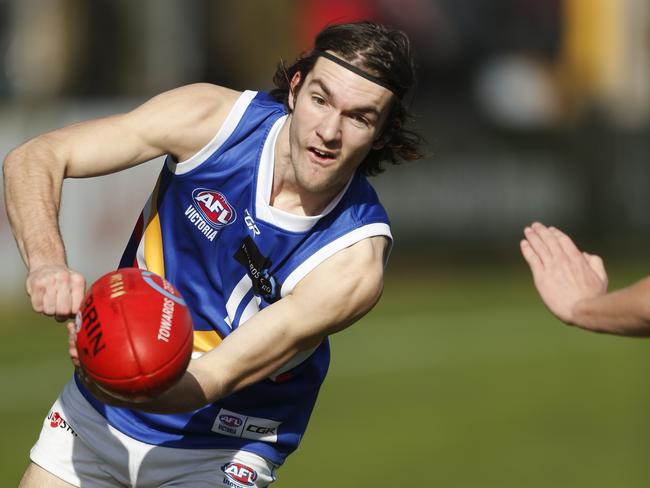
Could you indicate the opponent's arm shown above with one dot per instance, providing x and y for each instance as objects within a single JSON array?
[
  {"x": 334, "y": 295},
  {"x": 573, "y": 285},
  {"x": 622, "y": 312},
  {"x": 178, "y": 122}
]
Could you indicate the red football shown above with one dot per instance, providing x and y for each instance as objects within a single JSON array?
[{"x": 134, "y": 334}]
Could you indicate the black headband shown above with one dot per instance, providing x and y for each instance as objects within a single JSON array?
[{"x": 356, "y": 70}]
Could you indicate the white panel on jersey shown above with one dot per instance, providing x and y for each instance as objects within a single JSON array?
[
  {"x": 251, "y": 309},
  {"x": 237, "y": 295},
  {"x": 140, "y": 254},
  {"x": 227, "y": 128},
  {"x": 263, "y": 209},
  {"x": 370, "y": 230}
]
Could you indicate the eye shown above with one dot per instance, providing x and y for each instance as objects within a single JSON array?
[
  {"x": 318, "y": 100},
  {"x": 359, "y": 120}
]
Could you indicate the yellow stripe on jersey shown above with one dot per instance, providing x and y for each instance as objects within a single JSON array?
[
  {"x": 206, "y": 340},
  {"x": 153, "y": 245}
]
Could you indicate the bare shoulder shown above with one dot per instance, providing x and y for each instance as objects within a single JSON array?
[
  {"x": 198, "y": 96},
  {"x": 359, "y": 265},
  {"x": 363, "y": 254},
  {"x": 187, "y": 117},
  {"x": 355, "y": 272},
  {"x": 342, "y": 288}
]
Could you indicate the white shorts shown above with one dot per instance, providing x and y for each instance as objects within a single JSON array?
[{"x": 78, "y": 446}]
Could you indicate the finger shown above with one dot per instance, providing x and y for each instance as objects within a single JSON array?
[
  {"x": 566, "y": 243},
  {"x": 63, "y": 300},
  {"x": 72, "y": 344},
  {"x": 77, "y": 291},
  {"x": 37, "y": 302},
  {"x": 49, "y": 300},
  {"x": 75, "y": 362},
  {"x": 549, "y": 239},
  {"x": 72, "y": 334},
  {"x": 531, "y": 257},
  {"x": 539, "y": 246},
  {"x": 35, "y": 292}
]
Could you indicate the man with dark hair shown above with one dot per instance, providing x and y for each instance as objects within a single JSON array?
[
  {"x": 389, "y": 57},
  {"x": 263, "y": 219}
]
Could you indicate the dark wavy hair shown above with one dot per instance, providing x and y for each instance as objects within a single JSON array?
[{"x": 384, "y": 53}]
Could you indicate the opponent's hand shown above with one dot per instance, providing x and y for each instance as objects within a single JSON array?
[
  {"x": 55, "y": 290},
  {"x": 563, "y": 275}
]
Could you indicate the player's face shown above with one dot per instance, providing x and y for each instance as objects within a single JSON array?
[{"x": 336, "y": 120}]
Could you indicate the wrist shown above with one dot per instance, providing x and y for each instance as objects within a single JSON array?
[
  {"x": 54, "y": 257},
  {"x": 42, "y": 247},
  {"x": 582, "y": 314},
  {"x": 41, "y": 264}
]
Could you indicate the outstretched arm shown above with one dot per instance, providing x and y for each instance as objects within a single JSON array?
[
  {"x": 178, "y": 122},
  {"x": 330, "y": 298},
  {"x": 573, "y": 285}
]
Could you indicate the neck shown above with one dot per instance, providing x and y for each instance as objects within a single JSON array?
[{"x": 287, "y": 193}]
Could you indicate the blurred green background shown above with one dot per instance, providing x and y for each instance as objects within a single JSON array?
[{"x": 458, "y": 378}]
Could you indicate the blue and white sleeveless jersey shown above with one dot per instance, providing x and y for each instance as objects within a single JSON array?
[{"x": 209, "y": 229}]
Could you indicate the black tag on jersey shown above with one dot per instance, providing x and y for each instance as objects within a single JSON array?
[{"x": 258, "y": 268}]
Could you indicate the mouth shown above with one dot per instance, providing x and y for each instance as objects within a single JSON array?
[{"x": 321, "y": 156}]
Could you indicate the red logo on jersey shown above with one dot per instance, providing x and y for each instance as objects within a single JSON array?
[
  {"x": 56, "y": 419},
  {"x": 214, "y": 207},
  {"x": 58, "y": 422},
  {"x": 242, "y": 474}
]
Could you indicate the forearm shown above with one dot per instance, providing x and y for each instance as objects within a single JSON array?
[
  {"x": 242, "y": 359},
  {"x": 623, "y": 312},
  {"x": 33, "y": 179},
  {"x": 326, "y": 301},
  {"x": 257, "y": 349}
]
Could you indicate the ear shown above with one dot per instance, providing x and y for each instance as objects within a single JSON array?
[
  {"x": 381, "y": 141},
  {"x": 293, "y": 90}
]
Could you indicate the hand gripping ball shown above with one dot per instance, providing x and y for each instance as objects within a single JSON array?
[{"x": 134, "y": 334}]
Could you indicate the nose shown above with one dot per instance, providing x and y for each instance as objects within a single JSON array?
[{"x": 329, "y": 129}]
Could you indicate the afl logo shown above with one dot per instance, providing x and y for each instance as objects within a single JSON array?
[
  {"x": 240, "y": 473},
  {"x": 213, "y": 207},
  {"x": 230, "y": 421}
]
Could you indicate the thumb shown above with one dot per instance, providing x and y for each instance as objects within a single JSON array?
[
  {"x": 72, "y": 344},
  {"x": 597, "y": 265}
]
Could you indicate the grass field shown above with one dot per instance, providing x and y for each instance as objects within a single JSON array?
[{"x": 459, "y": 378}]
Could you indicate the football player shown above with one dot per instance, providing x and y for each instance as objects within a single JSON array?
[{"x": 263, "y": 218}]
